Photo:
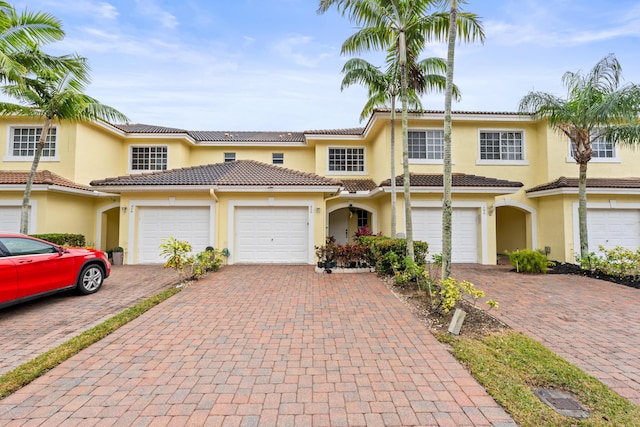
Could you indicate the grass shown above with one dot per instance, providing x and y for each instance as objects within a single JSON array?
[
  {"x": 27, "y": 372},
  {"x": 510, "y": 365}
]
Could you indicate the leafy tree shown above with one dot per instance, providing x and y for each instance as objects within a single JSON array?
[
  {"x": 383, "y": 89},
  {"x": 53, "y": 96},
  {"x": 401, "y": 27},
  {"x": 596, "y": 106},
  {"x": 20, "y": 36}
]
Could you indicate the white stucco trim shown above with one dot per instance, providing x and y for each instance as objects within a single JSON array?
[
  {"x": 168, "y": 202},
  {"x": 482, "y": 208},
  {"x": 309, "y": 204}
]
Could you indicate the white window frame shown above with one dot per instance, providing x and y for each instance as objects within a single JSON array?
[
  {"x": 522, "y": 162},
  {"x": 614, "y": 159},
  {"x": 134, "y": 171},
  {"x": 428, "y": 161},
  {"x": 346, "y": 172},
  {"x": 10, "y": 157},
  {"x": 277, "y": 158},
  {"x": 227, "y": 157}
]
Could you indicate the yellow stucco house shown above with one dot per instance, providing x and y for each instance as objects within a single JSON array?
[{"x": 270, "y": 197}]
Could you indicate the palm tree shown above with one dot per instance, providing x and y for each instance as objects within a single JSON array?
[
  {"x": 54, "y": 96},
  {"x": 20, "y": 36},
  {"x": 383, "y": 90},
  {"x": 596, "y": 106},
  {"x": 402, "y": 27}
]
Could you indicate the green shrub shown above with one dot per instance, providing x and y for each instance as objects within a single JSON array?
[
  {"x": 529, "y": 261},
  {"x": 63, "y": 239},
  {"x": 380, "y": 246},
  {"x": 176, "y": 253},
  {"x": 452, "y": 291},
  {"x": 204, "y": 262},
  {"x": 618, "y": 261}
]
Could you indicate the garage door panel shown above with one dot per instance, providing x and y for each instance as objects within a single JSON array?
[
  {"x": 9, "y": 219},
  {"x": 427, "y": 226},
  {"x": 271, "y": 234},
  {"x": 187, "y": 223},
  {"x": 613, "y": 227}
]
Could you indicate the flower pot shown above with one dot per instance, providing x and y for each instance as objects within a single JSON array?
[{"x": 118, "y": 258}]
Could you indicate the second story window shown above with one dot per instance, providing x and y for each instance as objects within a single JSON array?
[
  {"x": 601, "y": 148},
  {"x": 502, "y": 145},
  {"x": 149, "y": 158},
  {"x": 24, "y": 141},
  {"x": 277, "y": 158},
  {"x": 426, "y": 145},
  {"x": 346, "y": 159},
  {"x": 229, "y": 157}
]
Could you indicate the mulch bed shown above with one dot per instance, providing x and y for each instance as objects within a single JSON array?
[{"x": 568, "y": 268}]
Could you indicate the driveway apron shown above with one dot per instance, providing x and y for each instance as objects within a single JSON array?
[
  {"x": 592, "y": 323},
  {"x": 263, "y": 345}
]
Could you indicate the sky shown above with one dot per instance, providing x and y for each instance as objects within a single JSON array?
[{"x": 275, "y": 65}]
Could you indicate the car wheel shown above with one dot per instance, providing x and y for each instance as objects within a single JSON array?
[{"x": 90, "y": 279}]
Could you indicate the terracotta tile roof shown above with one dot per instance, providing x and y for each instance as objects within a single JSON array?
[
  {"x": 247, "y": 136},
  {"x": 458, "y": 180},
  {"x": 43, "y": 177},
  {"x": 353, "y": 185},
  {"x": 348, "y": 131},
  {"x": 142, "y": 128},
  {"x": 240, "y": 172},
  {"x": 479, "y": 113},
  {"x": 564, "y": 182}
]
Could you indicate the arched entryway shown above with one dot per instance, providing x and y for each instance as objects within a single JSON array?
[
  {"x": 345, "y": 220},
  {"x": 515, "y": 227},
  {"x": 108, "y": 229}
]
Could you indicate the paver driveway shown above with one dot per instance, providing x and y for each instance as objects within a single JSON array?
[
  {"x": 592, "y": 323},
  {"x": 28, "y": 330},
  {"x": 267, "y": 345}
]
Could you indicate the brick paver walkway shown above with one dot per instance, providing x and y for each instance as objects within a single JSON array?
[
  {"x": 263, "y": 345},
  {"x": 592, "y": 323},
  {"x": 28, "y": 330}
]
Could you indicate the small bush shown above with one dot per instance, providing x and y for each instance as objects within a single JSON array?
[
  {"x": 63, "y": 239},
  {"x": 452, "y": 291},
  {"x": 380, "y": 246},
  {"x": 204, "y": 262},
  {"x": 618, "y": 261},
  {"x": 529, "y": 261}
]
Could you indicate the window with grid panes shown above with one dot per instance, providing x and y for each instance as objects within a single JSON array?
[
  {"x": 277, "y": 158},
  {"x": 602, "y": 149},
  {"x": 149, "y": 158},
  {"x": 24, "y": 141},
  {"x": 426, "y": 145},
  {"x": 346, "y": 159},
  {"x": 501, "y": 145}
]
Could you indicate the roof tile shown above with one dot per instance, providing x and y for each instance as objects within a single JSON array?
[
  {"x": 240, "y": 172},
  {"x": 564, "y": 182},
  {"x": 43, "y": 177},
  {"x": 458, "y": 180}
]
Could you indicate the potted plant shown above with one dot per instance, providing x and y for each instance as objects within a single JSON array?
[
  {"x": 118, "y": 255},
  {"x": 327, "y": 253}
]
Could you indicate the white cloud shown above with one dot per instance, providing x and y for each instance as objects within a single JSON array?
[
  {"x": 149, "y": 8},
  {"x": 292, "y": 47},
  {"x": 102, "y": 9}
]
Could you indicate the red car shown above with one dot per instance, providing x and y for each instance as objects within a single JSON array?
[{"x": 31, "y": 268}]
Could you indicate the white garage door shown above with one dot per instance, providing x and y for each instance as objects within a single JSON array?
[
  {"x": 427, "y": 226},
  {"x": 9, "y": 219},
  {"x": 189, "y": 223},
  {"x": 278, "y": 235},
  {"x": 613, "y": 227}
]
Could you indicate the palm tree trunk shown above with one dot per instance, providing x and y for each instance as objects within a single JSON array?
[
  {"x": 405, "y": 148},
  {"x": 447, "y": 210},
  {"x": 24, "y": 213},
  {"x": 582, "y": 210},
  {"x": 393, "y": 168}
]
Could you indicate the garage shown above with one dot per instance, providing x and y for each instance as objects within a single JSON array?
[
  {"x": 427, "y": 226},
  {"x": 9, "y": 219},
  {"x": 271, "y": 235},
  {"x": 613, "y": 227},
  {"x": 187, "y": 223}
]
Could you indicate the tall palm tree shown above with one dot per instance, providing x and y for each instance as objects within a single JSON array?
[
  {"x": 20, "y": 35},
  {"x": 54, "y": 96},
  {"x": 383, "y": 89},
  {"x": 596, "y": 106},
  {"x": 401, "y": 27}
]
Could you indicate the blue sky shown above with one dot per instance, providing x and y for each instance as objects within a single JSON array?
[{"x": 275, "y": 64}]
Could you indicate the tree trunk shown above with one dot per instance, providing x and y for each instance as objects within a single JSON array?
[
  {"x": 393, "y": 168},
  {"x": 24, "y": 213},
  {"x": 447, "y": 210},
  {"x": 582, "y": 210},
  {"x": 405, "y": 148}
]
